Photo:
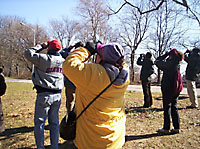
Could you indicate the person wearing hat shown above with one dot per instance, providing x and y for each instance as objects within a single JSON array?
[
  {"x": 145, "y": 76},
  {"x": 171, "y": 86},
  {"x": 3, "y": 87},
  {"x": 102, "y": 125},
  {"x": 47, "y": 78},
  {"x": 192, "y": 58}
]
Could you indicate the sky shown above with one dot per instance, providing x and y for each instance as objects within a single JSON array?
[{"x": 38, "y": 11}]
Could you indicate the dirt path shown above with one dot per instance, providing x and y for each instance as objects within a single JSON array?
[{"x": 130, "y": 87}]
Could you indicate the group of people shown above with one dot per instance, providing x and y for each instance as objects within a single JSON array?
[
  {"x": 103, "y": 124},
  {"x": 171, "y": 84}
]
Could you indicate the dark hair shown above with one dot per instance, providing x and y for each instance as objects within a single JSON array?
[
  {"x": 120, "y": 62},
  {"x": 148, "y": 54},
  {"x": 196, "y": 50}
]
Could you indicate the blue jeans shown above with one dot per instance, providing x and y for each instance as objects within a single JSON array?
[{"x": 47, "y": 105}]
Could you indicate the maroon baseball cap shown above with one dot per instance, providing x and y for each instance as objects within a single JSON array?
[{"x": 55, "y": 45}]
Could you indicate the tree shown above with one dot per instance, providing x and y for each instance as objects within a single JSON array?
[
  {"x": 14, "y": 39},
  {"x": 192, "y": 9},
  {"x": 134, "y": 27},
  {"x": 94, "y": 18},
  {"x": 64, "y": 30},
  {"x": 166, "y": 31}
]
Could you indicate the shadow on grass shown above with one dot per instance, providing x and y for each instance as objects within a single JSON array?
[
  {"x": 65, "y": 145},
  {"x": 146, "y": 136},
  {"x": 179, "y": 98},
  {"x": 8, "y": 133},
  {"x": 144, "y": 110}
]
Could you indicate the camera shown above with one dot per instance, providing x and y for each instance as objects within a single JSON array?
[{"x": 142, "y": 55}]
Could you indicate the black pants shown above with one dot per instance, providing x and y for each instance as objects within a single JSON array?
[
  {"x": 2, "y": 123},
  {"x": 146, "y": 86},
  {"x": 170, "y": 109}
]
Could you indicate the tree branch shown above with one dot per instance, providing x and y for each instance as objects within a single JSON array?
[{"x": 138, "y": 9}]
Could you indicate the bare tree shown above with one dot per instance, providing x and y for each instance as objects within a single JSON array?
[
  {"x": 64, "y": 30},
  {"x": 192, "y": 8},
  {"x": 133, "y": 32},
  {"x": 94, "y": 18},
  {"x": 166, "y": 32},
  {"x": 14, "y": 39}
]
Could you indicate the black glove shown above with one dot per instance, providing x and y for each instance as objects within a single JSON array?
[
  {"x": 166, "y": 54},
  {"x": 99, "y": 42},
  {"x": 142, "y": 55},
  {"x": 91, "y": 47},
  {"x": 78, "y": 44},
  {"x": 188, "y": 51}
]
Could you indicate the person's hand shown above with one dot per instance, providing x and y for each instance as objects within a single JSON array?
[
  {"x": 188, "y": 51},
  {"x": 142, "y": 55},
  {"x": 44, "y": 45},
  {"x": 78, "y": 44},
  {"x": 90, "y": 46},
  {"x": 166, "y": 54}
]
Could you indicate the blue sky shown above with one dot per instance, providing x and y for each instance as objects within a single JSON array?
[{"x": 38, "y": 11}]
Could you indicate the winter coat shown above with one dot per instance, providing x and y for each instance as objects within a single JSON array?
[
  {"x": 193, "y": 67},
  {"x": 2, "y": 85},
  {"x": 47, "y": 71},
  {"x": 102, "y": 125},
  {"x": 147, "y": 68},
  {"x": 170, "y": 68}
]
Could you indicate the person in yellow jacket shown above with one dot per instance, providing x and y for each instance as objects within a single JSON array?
[{"x": 102, "y": 125}]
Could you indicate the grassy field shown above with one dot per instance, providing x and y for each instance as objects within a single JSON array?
[{"x": 141, "y": 126}]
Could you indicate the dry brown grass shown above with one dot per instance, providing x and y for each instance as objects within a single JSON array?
[{"x": 141, "y": 126}]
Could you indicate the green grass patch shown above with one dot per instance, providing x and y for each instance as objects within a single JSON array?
[{"x": 142, "y": 123}]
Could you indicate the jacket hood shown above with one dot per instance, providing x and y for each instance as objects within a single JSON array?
[{"x": 113, "y": 71}]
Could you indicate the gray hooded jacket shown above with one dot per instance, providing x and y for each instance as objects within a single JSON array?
[{"x": 47, "y": 71}]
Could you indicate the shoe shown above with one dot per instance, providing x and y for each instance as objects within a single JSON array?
[
  {"x": 174, "y": 131},
  {"x": 145, "y": 106},
  {"x": 163, "y": 131},
  {"x": 191, "y": 107}
]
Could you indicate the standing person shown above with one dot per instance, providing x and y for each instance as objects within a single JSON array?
[
  {"x": 2, "y": 92},
  {"x": 47, "y": 78},
  {"x": 102, "y": 125},
  {"x": 192, "y": 58},
  {"x": 171, "y": 86},
  {"x": 145, "y": 76},
  {"x": 69, "y": 86}
]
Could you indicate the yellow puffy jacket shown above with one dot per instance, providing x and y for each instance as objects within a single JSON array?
[{"x": 102, "y": 125}]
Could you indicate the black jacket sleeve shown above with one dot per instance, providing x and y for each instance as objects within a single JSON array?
[{"x": 2, "y": 85}]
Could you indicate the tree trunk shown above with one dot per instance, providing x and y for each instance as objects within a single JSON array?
[{"x": 132, "y": 65}]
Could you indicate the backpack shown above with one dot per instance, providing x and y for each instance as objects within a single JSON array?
[{"x": 178, "y": 82}]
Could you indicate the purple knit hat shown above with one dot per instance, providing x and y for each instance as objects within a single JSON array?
[{"x": 111, "y": 52}]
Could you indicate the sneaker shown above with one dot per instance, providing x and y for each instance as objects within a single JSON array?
[
  {"x": 163, "y": 131},
  {"x": 175, "y": 131},
  {"x": 191, "y": 107}
]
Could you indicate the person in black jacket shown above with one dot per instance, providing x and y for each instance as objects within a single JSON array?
[
  {"x": 2, "y": 92},
  {"x": 192, "y": 58},
  {"x": 171, "y": 86},
  {"x": 69, "y": 86},
  {"x": 145, "y": 76}
]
